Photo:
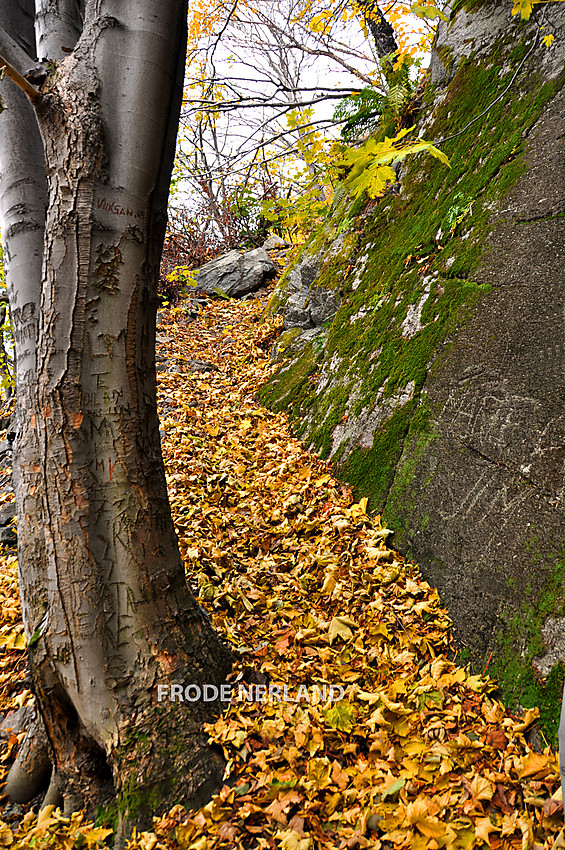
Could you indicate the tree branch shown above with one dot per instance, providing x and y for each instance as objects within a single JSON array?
[
  {"x": 381, "y": 30},
  {"x": 16, "y": 55},
  {"x": 30, "y": 91}
]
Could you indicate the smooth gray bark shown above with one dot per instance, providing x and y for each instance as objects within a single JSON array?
[{"x": 102, "y": 584}]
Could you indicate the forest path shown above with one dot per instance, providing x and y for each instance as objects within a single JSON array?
[
  {"x": 418, "y": 753},
  {"x": 301, "y": 581}
]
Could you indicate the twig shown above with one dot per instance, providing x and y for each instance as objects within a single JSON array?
[
  {"x": 32, "y": 93},
  {"x": 487, "y": 664},
  {"x": 502, "y": 93}
]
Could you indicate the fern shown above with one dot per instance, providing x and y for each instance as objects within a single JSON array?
[
  {"x": 397, "y": 98},
  {"x": 360, "y": 113}
]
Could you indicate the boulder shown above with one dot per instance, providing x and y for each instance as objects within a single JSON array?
[
  {"x": 17, "y": 721},
  {"x": 438, "y": 387},
  {"x": 236, "y": 273},
  {"x": 275, "y": 243}
]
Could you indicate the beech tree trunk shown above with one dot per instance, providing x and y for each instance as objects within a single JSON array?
[{"x": 106, "y": 607}]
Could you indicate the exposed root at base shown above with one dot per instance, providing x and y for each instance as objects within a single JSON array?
[{"x": 30, "y": 774}]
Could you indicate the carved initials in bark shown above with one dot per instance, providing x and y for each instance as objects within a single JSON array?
[{"x": 102, "y": 584}]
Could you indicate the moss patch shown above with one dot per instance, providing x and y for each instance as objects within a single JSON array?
[
  {"x": 416, "y": 288},
  {"x": 518, "y": 683},
  {"x": 409, "y": 285}
]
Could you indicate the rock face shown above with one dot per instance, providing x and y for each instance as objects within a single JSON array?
[
  {"x": 438, "y": 387},
  {"x": 236, "y": 274}
]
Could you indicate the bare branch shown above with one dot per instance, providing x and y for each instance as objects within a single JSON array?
[
  {"x": 248, "y": 103},
  {"x": 30, "y": 91},
  {"x": 16, "y": 55}
]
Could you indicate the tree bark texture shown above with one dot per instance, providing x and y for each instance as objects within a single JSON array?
[
  {"x": 381, "y": 30},
  {"x": 106, "y": 605}
]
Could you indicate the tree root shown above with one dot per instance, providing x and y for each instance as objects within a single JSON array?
[
  {"x": 53, "y": 796},
  {"x": 30, "y": 773}
]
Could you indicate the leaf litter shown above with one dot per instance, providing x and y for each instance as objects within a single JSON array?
[{"x": 307, "y": 589}]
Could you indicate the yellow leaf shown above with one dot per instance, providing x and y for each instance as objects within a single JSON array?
[
  {"x": 15, "y": 639},
  {"x": 93, "y": 836},
  {"x": 361, "y": 506},
  {"x": 201, "y": 843},
  {"x": 245, "y": 425},
  {"x": 330, "y": 582},
  {"x": 535, "y": 764},
  {"x": 483, "y": 827},
  {"x": 414, "y": 748},
  {"x": 527, "y": 833},
  {"x": 530, "y": 715},
  {"x": 418, "y": 814},
  {"x": 19, "y": 642},
  {"x": 341, "y": 716},
  {"x": 524, "y": 8},
  {"x": 482, "y": 789},
  {"x": 291, "y": 840},
  {"x": 319, "y": 772},
  {"x": 341, "y": 627},
  {"x": 6, "y": 835},
  {"x": 548, "y": 40}
]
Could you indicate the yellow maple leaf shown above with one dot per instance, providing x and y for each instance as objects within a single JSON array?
[
  {"x": 418, "y": 814},
  {"x": 535, "y": 764},
  {"x": 341, "y": 627},
  {"x": 483, "y": 828},
  {"x": 6, "y": 835},
  {"x": 291, "y": 840},
  {"x": 147, "y": 840},
  {"x": 319, "y": 772},
  {"x": 524, "y": 8},
  {"x": 482, "y": 789}
]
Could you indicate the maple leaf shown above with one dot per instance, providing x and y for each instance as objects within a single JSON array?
[
  {"x": 6, "y": 835},
  {"x": 483, "y": 829},
  {"x": 341, "y": 716},
  {"x": 497, "y": 739},
  {"x": 536, "y": 765},
  {"x": 524, "y": 8},
  {"x": 292, "y": 840},
  {"x": 341, "y": 627}
]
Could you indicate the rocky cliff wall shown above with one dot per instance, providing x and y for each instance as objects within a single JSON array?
[{"x": 424, "y": 349}]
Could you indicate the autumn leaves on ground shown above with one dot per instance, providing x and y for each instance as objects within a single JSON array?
[{"x": 302, "y": 583}]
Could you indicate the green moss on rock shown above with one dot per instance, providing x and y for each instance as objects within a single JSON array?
[
  {"x": 422, "y": 246},
  {"x": 410, "y": 285}
]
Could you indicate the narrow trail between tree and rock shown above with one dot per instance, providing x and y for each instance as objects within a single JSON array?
[{"x": 307, "y": 588}]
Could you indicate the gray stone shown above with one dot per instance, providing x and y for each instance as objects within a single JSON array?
[
  {"x": 275, "y": 242},
  {"x": 8, "y": 537},
  {"x": 235, "y": 274},
  {"x": 306, "y": 305},
  {"x": 452, "y": 418},
  {"x": 7, "y": 513},
  {"x": 201, "y": 366},
  {"x": 17, "y": 721}
]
